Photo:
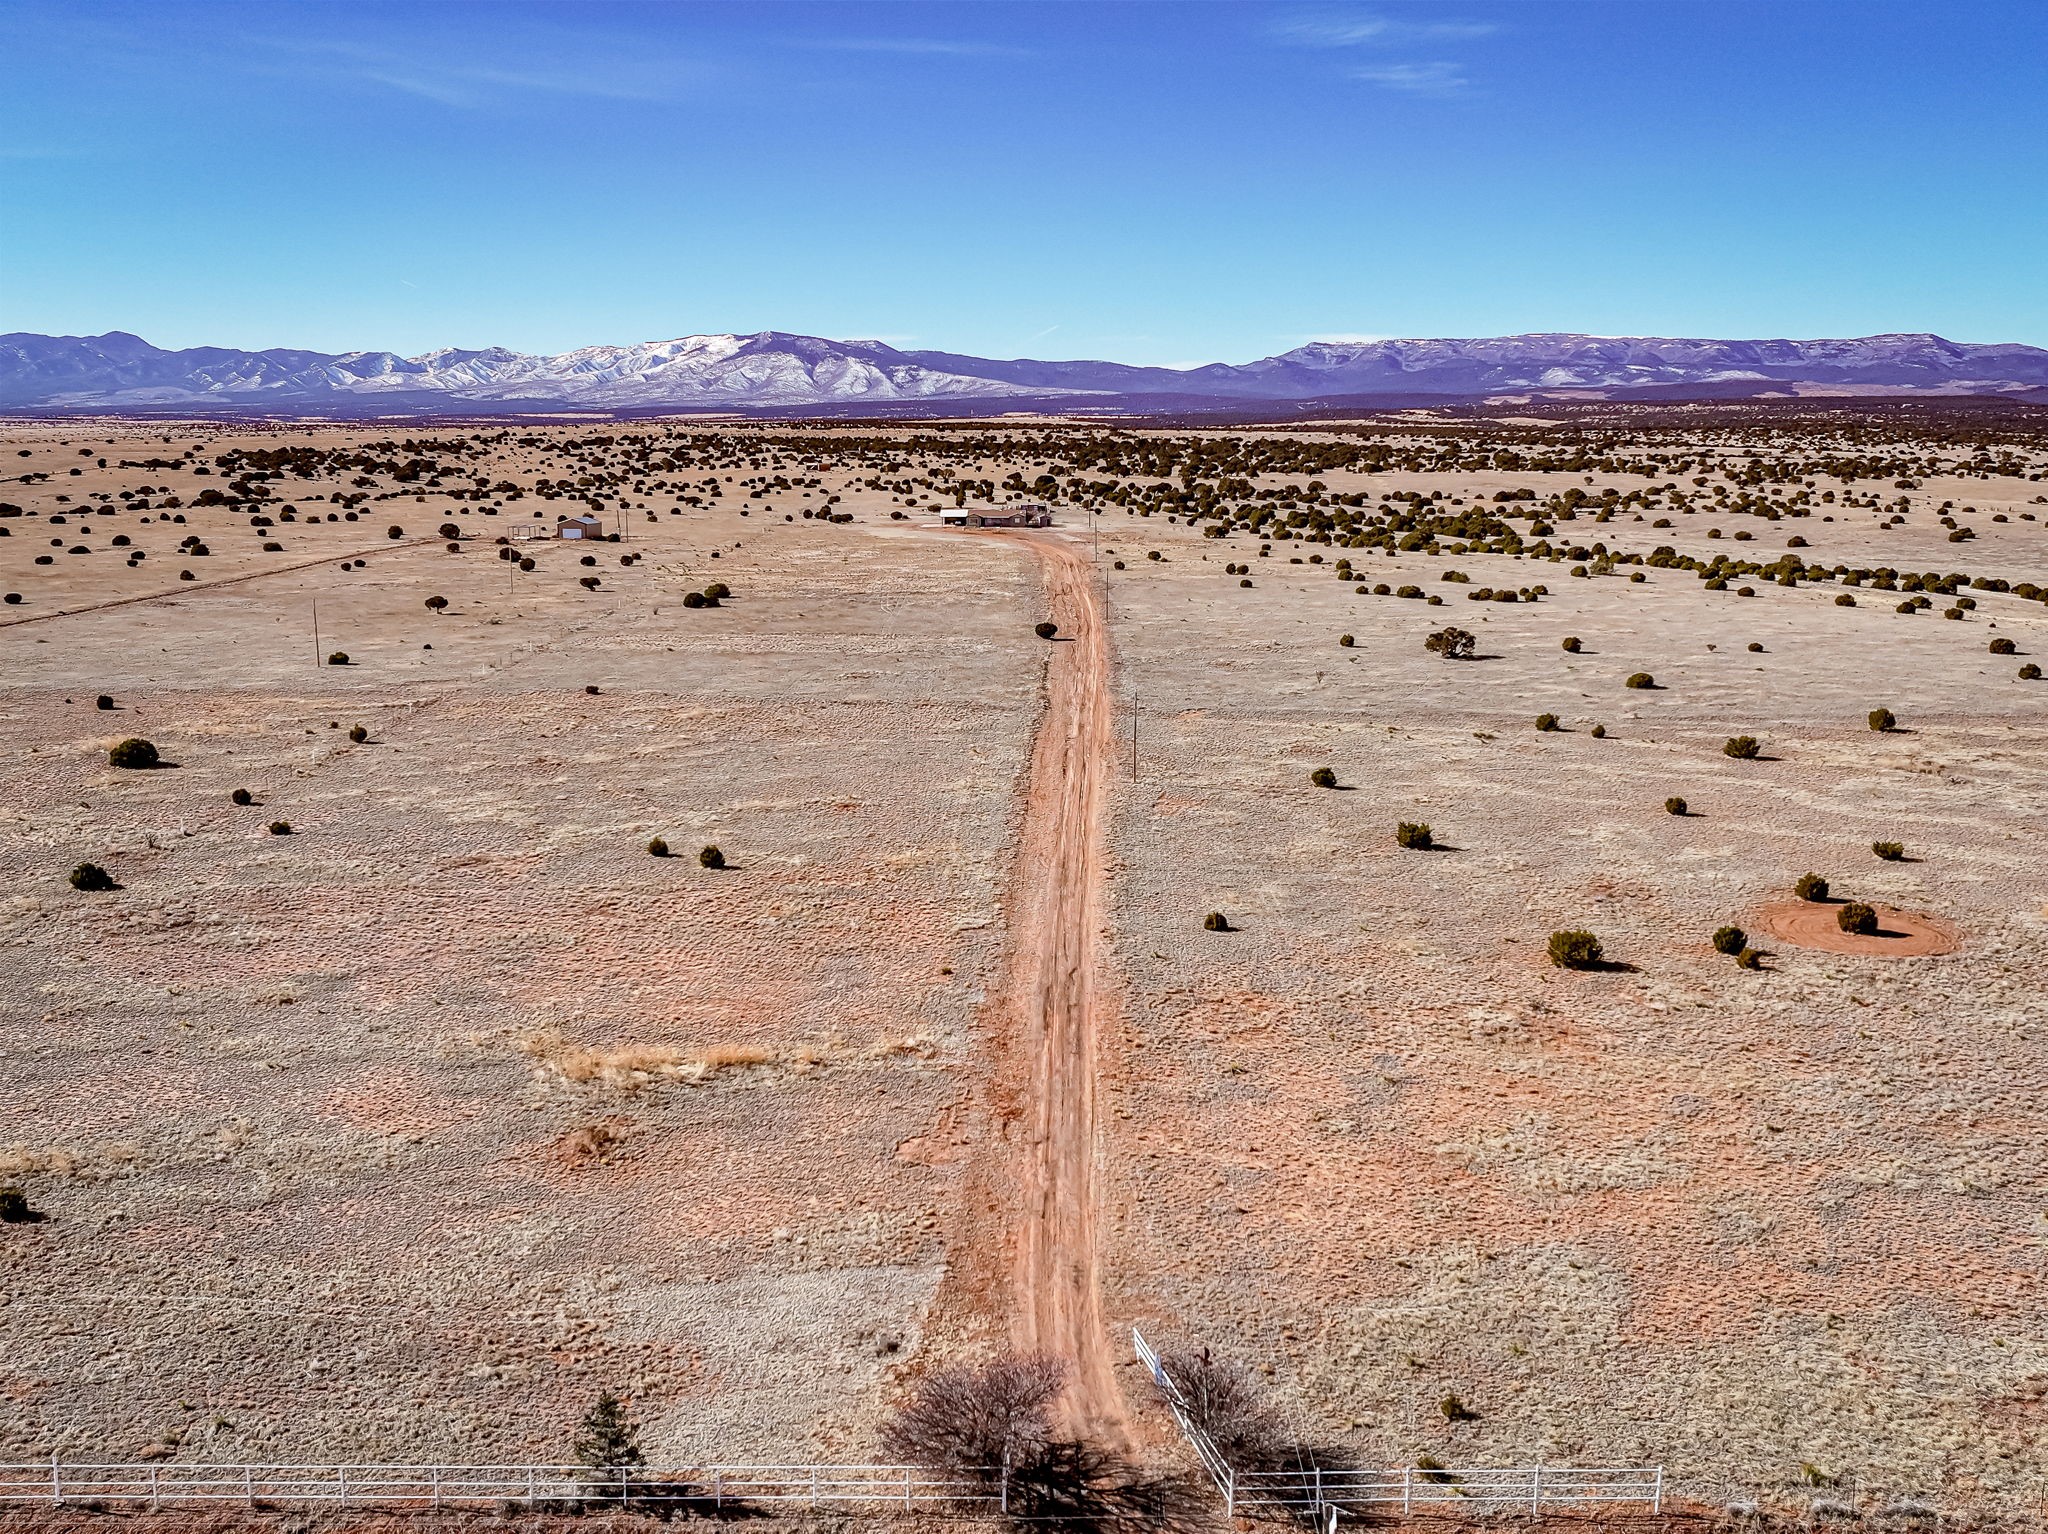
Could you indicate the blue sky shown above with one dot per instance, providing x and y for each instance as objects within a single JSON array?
[{"x": 1154, "y": 183}]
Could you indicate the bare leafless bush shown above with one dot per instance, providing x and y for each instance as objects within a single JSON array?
[{"x": 993, "y": 1425}]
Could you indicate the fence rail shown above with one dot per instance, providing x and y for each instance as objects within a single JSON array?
[
  {"x": 701, "y": 1486},
  {"x": 1321, "y": 1495}
]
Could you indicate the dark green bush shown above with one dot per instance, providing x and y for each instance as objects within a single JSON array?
[
  {"x": 1575, "y": 949},
  {"x": 1640, "y": 681},
  {"x": 1754, "y": 648},
  {"x": 1045, "y": 630},
  {"x": 242, "y": 796},
  {"x": 1845, "y": 600},
  {"x": 280, "y": 828},
  {"x": 139, "y": 755},
  {"x": 2003, "y": 646},
  {"x": 1323, "y": 777},
  {"x": 1744, "y": 748},
  {"x": 338, "y": 658},
  {"x": 1572, "y": 644},
  {"x": 693, "y": 599},
  {"x": 2030, "y": 672},
  {"x": 1414, "y": 835},
  {"x": 1451, "y": 644},
  {"x": 1346, "y": 640},
  {"x": 1857, "y": 917},
  {"x": 91, "y": 878},
  {"x": 657, "y": 848},
  {"x": 1598, "y": 732},
  {"x": 103, "y": 702},
  {"x": 1546, "y": 722},
  {"x": 711, "y": 857},
  {"x": 1883, "y": 720},
  {"x": 1215, "y": 921},
  {"x": 1749, "y": 958},
  {"x": 1730, "y": 940},
  {"x": 719, "y": 590},
  {"x": 357, "y": 734},
  {"x": 1674, "y": 806},
  {"x": 436, "y": 604},
  {"x": 1811, "y": 887},
  {"x": 1891, "y": 852},
  {"x": 15, "y": 1208}
]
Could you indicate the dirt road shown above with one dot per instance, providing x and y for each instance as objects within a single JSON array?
[{"x": 1030, "y": 1226}]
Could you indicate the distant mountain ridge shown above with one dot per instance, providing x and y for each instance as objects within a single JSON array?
[{"x": 776, "y": 371}]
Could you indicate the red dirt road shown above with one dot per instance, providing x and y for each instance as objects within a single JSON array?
[{"x": 1030, "y": 1226}]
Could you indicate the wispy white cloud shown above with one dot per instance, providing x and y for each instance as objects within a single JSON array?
[
  {"x": 1359, "y": 29},
  {"x": 1432, "y": 79},
  {"x": 469, "y": 85}
]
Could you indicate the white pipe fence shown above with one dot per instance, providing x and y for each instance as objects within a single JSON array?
[
  {"x": 706, "y": 1488},
  {"x": 1318, "y": 1495}
]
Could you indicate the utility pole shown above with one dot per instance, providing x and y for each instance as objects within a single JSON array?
[{"x": 1134, "y": 732}]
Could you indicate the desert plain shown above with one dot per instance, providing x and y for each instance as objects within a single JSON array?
[{"x": 395, "y": 1113}]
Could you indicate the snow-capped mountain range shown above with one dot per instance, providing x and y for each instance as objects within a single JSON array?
[{"x": 775, "y": 371}]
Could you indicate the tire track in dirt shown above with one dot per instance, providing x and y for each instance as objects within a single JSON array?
[{"x": 1028, "y": 1230}]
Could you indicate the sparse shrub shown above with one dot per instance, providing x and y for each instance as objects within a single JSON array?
[
  {"x": 1641, "y": 681},
  {"x": 1414, "y": 835},
  {"x": 1575, "y": 949},
  {"x": 435, "y": 605},
  {"x": 1891, "y": 852},
  {"x": 241, "y": 796},
  {"x": 1546, "y": 722},
  {"x": 1045, "y": 630},
  {"x": 138, "y": 755},
  {"x": 91, "y": 879},
  {"x": 337, "y": 658},
  {"x": 1744, "y": 748},
  {"x": 448, "y": 530},
  {"x": 711, "y": 857},
  {"x": 280, "y": 828},
  {"x": 1451, "y": 644},
  {"x": 1811, "y": 887},
  {"x": 1730, "y": 940},
  {"x": 2030, "y": 672},
  {"x": 1858, "y": 918},
  {"x": 1675, "y": 805},
  {"x": 1754, "y": 648},
  {"x": 394, "y": 531},
  {"x": 1215, "y": 921},
  {"x": 717, "y": 591},
  {"x": 2003, "y": 646},
  {"x": 657, "y": 848},
  {"x": 1598, "y": 732},
  {"x": 15, "y": 1208},
  {"x": 103, "y": 703},
  {"x": 357, "y": 734},
  {"x": 1323, "y": 777},
  {"x": 1749, "y": 958},
  {"x": 1883, "y": 720},
  {"x": 693, "y": 599},
  {"x": 590, "y": 583},
  {"x": 975, "y": 1422},
  {"x": 1572, "y": 644},
  {"x": 1346, "y": 640}
]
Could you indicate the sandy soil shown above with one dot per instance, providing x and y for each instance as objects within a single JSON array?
[
  {"x": 404, "y": 1134},
  {"x": 1899, "y": 935}
]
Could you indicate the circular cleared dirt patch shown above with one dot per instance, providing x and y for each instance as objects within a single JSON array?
[{"x": 1899, "y": 935}]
